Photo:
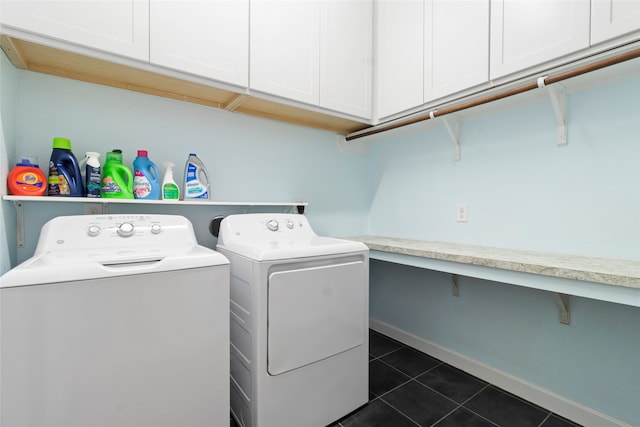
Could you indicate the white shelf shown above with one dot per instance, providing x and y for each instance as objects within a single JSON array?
[
  {"x": 102, "y": 203},
  {"x": 48, "y": 199}
]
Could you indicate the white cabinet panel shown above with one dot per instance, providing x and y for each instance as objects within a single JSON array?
[
  {"x": 456, "y": 46},
  {"x": 400, "y": 50},
  {"x": 346, "y": 56},
  {"x": 284, "y": 53},
  {"x": 206, "y": 38},
  {"x": 115, "y": 26},
  {"x": 525, "y": 33},
  {"x": 613, "y": 18}
]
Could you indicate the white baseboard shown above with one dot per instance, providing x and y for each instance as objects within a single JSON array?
[{"x": 556, "y": 403}]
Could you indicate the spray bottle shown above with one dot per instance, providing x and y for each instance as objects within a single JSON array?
[{"x": 170, "y": 190}]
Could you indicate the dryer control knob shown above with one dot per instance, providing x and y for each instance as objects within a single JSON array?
[
  {"x": 94, "y": 230},
  {"x": 126, "y": 229},
  {"x": 156, "y": 228},
  {"x": 272, "y": 225},
  {"x": 290, "y": 225}
]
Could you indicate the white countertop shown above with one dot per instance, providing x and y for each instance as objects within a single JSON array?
[{"x": 616, "y": 272}]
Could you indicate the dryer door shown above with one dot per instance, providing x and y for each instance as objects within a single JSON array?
[{"x": 315, "y": 313}]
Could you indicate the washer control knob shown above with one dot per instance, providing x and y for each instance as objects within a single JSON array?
[
  {"x": 290, "y": 225},
  {"x": 272, "y": 225},
  {"x": 156, "y": 228},
  {"x": 126, "y": 229},
  {"x": 93, "y": 230}
]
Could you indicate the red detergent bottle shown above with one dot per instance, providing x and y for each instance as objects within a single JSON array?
[{"x": 26, "y": 179}]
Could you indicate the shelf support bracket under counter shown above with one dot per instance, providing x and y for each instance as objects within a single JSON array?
[
  {"x": 455, "y": 284},
  {"x": 558, "y": 96},
  {"x": 563, "y": 303}
]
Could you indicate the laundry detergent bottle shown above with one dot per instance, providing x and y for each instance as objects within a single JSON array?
[
  {"x": 65, "y": 178},
  {"x": 90, "y": 166},
  {"x": 117, "y": 179},
  {"x": 145, "y": 177},
  {"x": 196, "y": 180},
  {"x": 26, "y": 179}
]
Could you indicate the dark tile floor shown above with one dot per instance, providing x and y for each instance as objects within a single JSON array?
[{"x": 409, "y": 388}]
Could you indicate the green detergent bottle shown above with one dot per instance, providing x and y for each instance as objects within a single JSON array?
[{"x": 117, "y": 179}]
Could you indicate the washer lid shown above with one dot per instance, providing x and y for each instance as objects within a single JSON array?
[
  {"x": 95, "y": 263},
  {"x": 267, "y": 237}
]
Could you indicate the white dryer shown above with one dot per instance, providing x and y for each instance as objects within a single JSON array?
[
  {"x": 299, "y": 322},
  {"x": 117, "y": 320}
]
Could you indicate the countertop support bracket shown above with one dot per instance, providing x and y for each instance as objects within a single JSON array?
[
  {"x": 454, "y": 134},
  {"x": 455, "y": 284},
  {"x": 19, "y": 224},
  {"x": 562, "y": 301}
]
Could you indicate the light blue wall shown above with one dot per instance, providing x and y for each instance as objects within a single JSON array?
[
  {"x": 248, "y": 159},
  {"x": 522, "y": 192}
]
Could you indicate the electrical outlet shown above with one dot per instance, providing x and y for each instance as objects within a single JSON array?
[
  {"x": 461, "y": 212},
  {"x": 93, "y": 209}
]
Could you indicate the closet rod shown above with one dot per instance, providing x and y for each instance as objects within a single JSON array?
[{"x": 510, "y": 92}]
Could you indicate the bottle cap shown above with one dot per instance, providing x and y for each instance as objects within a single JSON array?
[
  {"x": 143, "y": 153},
  {"x": 28, "y": 160},
  {"x": 63, "y": 143}
]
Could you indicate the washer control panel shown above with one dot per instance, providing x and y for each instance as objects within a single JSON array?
[
  {"x": 82, "y": 231},
  {"x": 123, "y": 225}
]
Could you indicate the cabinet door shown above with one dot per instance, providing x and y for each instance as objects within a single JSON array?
[
  {"x": 284, "y": 49},
  {"x": 456, "y": 46},
  {"x": 525, "y": 33},
  {"x": 206, "y": 38},
  {"x": 399, "y": 50},
  {"x": 613, "y": 18},
  {"x": 346, "y": 56},
  {"x": 120, "y": 27}
]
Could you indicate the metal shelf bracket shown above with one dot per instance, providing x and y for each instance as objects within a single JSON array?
[
  {"x": 562, "y": 301},
  {"x": 19, "y": 224},
  {"x": 558, "y": 96},
  {"x": 455, "y": 284},
  {"x": 453, "y": 133}
]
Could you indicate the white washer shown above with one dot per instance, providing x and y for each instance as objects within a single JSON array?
[
  {"x": 299, "y": 321},
  {"x": 117, "y": 320}
]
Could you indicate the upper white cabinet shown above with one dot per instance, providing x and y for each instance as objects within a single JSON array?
[
  {"x": 205, "y": 38},
  {"x": 526, "y": 33},
  {"x": 284, "y": 49},
  {"x": 120, "y": 27},
  {"x": 613, "y": 18},
  {"x": 456, "y": 46},
  {"x": 316, "y": 52},
  {"x": 400, "y": 55},
  {"x": 346, "y": 56},
  {"x": 428, "y": 49}
]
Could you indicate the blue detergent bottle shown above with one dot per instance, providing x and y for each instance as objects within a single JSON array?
[
  {"x": 146, "y": 184},
  {"x": 65, "y": 178}
]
